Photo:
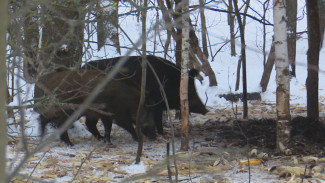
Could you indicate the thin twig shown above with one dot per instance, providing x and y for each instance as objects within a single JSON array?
[
  {"x": 30, "y": 175},
  {"x": 82, "y": 162},
  {"x": 168, "y": 164}
]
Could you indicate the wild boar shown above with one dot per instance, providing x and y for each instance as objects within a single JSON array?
[
  {"x": 168, "y": 74},
  {"x": 119, "y": 100}
]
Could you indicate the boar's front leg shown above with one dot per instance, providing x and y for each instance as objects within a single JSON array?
[{"x": 107, "y": 122}]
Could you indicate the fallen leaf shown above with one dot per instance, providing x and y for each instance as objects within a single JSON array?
[{"x": 251, "y": 162}]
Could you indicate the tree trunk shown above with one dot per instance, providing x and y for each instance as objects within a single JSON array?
[
  {"x": 313, "y": 59},
  {"x": 265, "y": 9},
  {"x": 196, "y": 50},
  {"x": 203, "y": 65},
  {"x": 3, "y": 76},
  {"x": 243, "y": 58},
  {"x": 282, "y": 76},
  {"x": 231, "y": 23},
  {"x": 321, "y": 5},
  {"x": 178, "y": 38},
  {"x": 238, "y": 74},
  {"x": 268, "y": 69},
  {"x": 10, "y": 112},
  {"x": 31, "y": 40},
  {"x": 204, "y": 30},
  {"x": 143, "y": 80},
  {"x": 184, "y": 76},
  {"x": 292, "y": 30}
]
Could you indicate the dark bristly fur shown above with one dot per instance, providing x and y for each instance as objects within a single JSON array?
[
  {"x": 119, "y": 97},
  {"x": 168, "y": 74}
]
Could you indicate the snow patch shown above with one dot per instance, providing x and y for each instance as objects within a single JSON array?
[{"x": 135, "y": 168}]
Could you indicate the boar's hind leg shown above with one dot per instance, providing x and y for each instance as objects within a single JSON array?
[
  {"x": 65, "y": 138},
  {"x": 107, "y": 122},
  {"x": 158, "y": 121},
  {"x": 57, "y": 122},
  {"x": 126, "y": 122},
  {"x": 92, "y": 128},
  {"x": 43, "y": 123}
]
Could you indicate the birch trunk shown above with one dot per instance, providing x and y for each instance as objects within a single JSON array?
[
  {"x": 184, "y": 76},
  {"x": 282, "y": 75},
  {"x": 3, "y": 92}
]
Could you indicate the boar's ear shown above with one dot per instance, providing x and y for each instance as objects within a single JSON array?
[{"x": 195, "y": 73}]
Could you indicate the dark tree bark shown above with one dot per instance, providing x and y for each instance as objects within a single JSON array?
[
  {"x": 10, "y": 112},
  {"x": 268, "y": 69},
  {"x": 291, "y": 6},
  {"x": 243, "y": 30},
  {"x": 177, "y": 18},
  {"x": 243, "y": 58},
  {"x": 314, "y": 38},
  {"x": 321, "y": 20},
  {"x": 231, "y": 23},
  {"x": 3, "y": 76},
  {"x": 143, "y": 80},
  {"x": 196, "y": 50},
  {"x": 204, "y": 30}
]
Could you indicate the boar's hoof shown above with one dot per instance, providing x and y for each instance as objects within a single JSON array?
[{"x": 69, "y": 144}]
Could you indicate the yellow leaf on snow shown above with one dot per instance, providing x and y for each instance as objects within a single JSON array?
[
  {"x": 251, "y": 162},
  {"x": 33, "y": 158},
  {"x": 289, "y": 171}
]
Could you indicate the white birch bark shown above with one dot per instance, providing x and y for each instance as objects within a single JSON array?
[
  {"x": 282, "y": 74},
  {"x": 184, "y": 75}
]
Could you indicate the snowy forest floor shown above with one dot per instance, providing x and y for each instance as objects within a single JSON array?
[{"x": 220, "y": 145}]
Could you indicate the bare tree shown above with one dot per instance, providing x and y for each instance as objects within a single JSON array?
[
  {"x": 282, "y": 75},
  {"x": 291, "y": 6},
  {"x": 268, "y": 69},
  {"x": 177, "y": 16},
  {"x": 242, "y": 57},
  {"x": 204, "y": 30},
  {"x": 143, "y": 78},
  {"x": 199, "y": 60},
  {"x": 313, "y": 59},
  {"x": 231, "y": 23},
  {"x": 3, "y": 92},
  {"x": 184, "y": 75},
  {"x": 321, "y": 5}
]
